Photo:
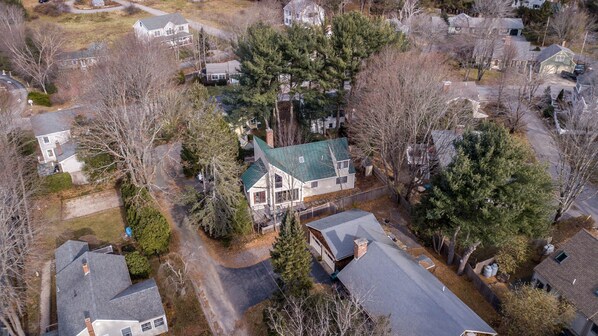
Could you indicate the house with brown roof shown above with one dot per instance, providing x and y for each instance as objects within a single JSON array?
[{"x": 571, "y": 272}]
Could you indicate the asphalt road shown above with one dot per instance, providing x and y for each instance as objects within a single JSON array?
[{"x": 19, "y": 92}]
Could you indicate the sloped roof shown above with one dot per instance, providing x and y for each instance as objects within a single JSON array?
[
  {"x": 342, "y": 229},
  {"x": 465, "y": 21},
  {"x": 160, "y": 21},
  {"x": 103, "y": 294},
  {"x": 317, "y": 159},
  {"x": 463, "y": 90},
  {"x": 52, "y": 122},
  {"x": 230, "y": 67},
  {"x": 521, "y": 49},
  {"x": 91, "y": 51},
  {"x": 300, "y": 5},
  {"x": 552, "y": 50},
  {"x": 390, "y": 281},
  {"x": 253, "y": 174},
  {"x": 581, "y": 266},
  {"x": 69, "y": 149},
  {"x": 444, "y": 143}
]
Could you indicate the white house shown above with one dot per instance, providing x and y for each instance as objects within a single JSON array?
[
  {"x": 304, "y": 12},
  {"x": 324, "y": 124},
  {"x": 532, "y": 4},
  {"x": 57, "y": 148},
  {"x": 172, "y": 29},
  {"x": 95, "y": 295},
  {"x": 571, "y": 271},
  {"x": 464, "y": 23},
  {"x": 222, "y": 73},
  {"x": 282, "y": 177}
]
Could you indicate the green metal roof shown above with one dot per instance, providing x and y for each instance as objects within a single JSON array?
[
  {"x": 316, "y": 162},
  {"x": 254, "y": 173}
]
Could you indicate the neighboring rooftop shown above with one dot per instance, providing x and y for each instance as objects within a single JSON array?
[
  {"x": 444, "y": 143},
  {"x": 516, "y": 50},
  {"x": 389, "y": 281},
  {"x": 52, "y": 122},
  {"x": 463, "y": 90},
  {"x": 160, "y": 21},
  {"x": 68, "y": 148},
  {"x": 342, "y": 229},
  {"x": 575, "y": 277},
  {"x": 91, "y": 51},
  {"x": 552, "y": 50},
  {"x": 105, "y": 293},
  {"x": 465, "y": 21},
  {"x": 317, "y": 162},
  {"x": 230, "y": 67},
  {"x": 254, "y": 173},
  {"x": 299, "y": 5}
]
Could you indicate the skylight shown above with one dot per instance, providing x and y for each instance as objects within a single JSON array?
[
  {"x": 301, "y": 159},
  {"x": 561, "y": 257}
]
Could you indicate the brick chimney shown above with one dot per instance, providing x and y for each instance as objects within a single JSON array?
[
  {"x": 508, "y": 40},
  {"x": 85, "y": 267},
  {"x": 564, "y": 44},
  {"x": 360, "y": 247},
  {"x": 270, "y": 137},
  {"x": 446, "y": 85},
  {"x": 88, "y": 324},
  {"x": 58, "y": 149}
]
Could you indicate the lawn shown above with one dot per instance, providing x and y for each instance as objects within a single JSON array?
[
  {"x": 490, "y": 76},
  {"x": 212, "y": 12},
  {"x": 83, "y": 29}
]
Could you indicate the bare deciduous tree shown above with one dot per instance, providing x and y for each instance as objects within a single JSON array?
[
  {"x": 267, "y": 11},
  {"x": 570, "y": 23},
  {"x": 493, "y": 8},
  {"x": 33, "y": 52},
  {"x": 134, "y": 102},
  {"x": 399, "y": 101},
  {"x": 578, "y": 155}
]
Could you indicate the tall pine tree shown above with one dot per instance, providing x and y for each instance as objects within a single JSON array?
[{"x": 290, "y": 256}]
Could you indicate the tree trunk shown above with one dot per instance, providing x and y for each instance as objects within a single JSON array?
[
  {"x": 466, "y": 256},
  {"x": 559, "y": 214},
  {"x": 452, "y": 245}
]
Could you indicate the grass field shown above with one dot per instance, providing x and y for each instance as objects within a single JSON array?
[
  {"x": 212, "y": 12},
  {"x": 83, "y": 29}
]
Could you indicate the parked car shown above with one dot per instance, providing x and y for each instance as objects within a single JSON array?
[
  {"x": 579, "y": 69},
  {"x": 569, "y": 75}
]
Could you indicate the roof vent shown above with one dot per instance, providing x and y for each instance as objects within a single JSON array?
[
  {"x": 301, "y": 159},
  {"x": 561, "y": 257}
]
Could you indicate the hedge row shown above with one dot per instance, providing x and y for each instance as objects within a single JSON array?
[
  {"x": 39, "y": 98},
  {"x": 150, "y": 228}
]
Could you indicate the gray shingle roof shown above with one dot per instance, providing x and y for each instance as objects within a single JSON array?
[
  {"x": 317, "y": 158},
  {"x": 389, "y": 281},
  {"x": 463, "y": 90},
  {"x": 231, "y": 67},
  {"x": 160, "y": 21},
  {"x": 69, "y": 149},
  {"x": 342, "y": 229},
  {"x": 582, "y": 265},
  {"x": 93, "y": 50},
  {"x": 105, "y": 293},
  {"x": 68, "y": 252},
  {"x": 444, "y": 143},
  {"x": 465, "y": 21},
  {"x": 521, "y": 49},
  {"x": 552, "y": 50},
  {"x": 52, "y": 122}
]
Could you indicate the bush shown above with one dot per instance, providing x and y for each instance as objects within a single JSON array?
[
  {"x": 40, "y": 98},
  {"x": 131, "y": 9},
  {"x": 57, "y": 182},
  {"x": 150, "y": 227},
  {"x": 180, "y": 78},
  {"x": 138, "y": 264},
  {"x": 52, "y": 8},
  {"x": 548, "y": 112},
  {"x": 512, "y": 254}
]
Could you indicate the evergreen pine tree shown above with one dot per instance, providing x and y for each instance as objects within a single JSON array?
[{"x": 290, "y": 256}]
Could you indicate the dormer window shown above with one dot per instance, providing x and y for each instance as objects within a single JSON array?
[
  {"x": 342, "y": 164},
  {"x": 277, "y": 181}
]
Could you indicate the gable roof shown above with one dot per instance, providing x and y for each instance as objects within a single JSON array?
[
  {"x": 105, "y": 293},
  {"x": 521, "y": 49},
  {"x": 463, "y": 90},
  {"x": 301, "y": 5},
  {"x": 465, "y": 21},
  {"x": 253, "y": 174},
  {"x": 552, "y": 50},
  {"x": 318, "y": 158},
  {"x": 389, "y": 281},
  {"x": 342, "y": 229},
  {"x": 160, "y": 21},
  {"x": 580, "y": 265},
  {"x": 52, "y": 122},
  {"x": 69, "y": 149},
  {"x": 93, "y": 50},
  {"x": 230, "y": 67},
  {"x": 444, "y": 142}
]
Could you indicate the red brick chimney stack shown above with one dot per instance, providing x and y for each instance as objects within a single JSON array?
[
  {"x": 360, "y": 248},
  {"x": 270, "y": 137}
]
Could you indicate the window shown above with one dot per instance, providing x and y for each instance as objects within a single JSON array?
[
  {"x": 287, "y": 12},
  {"x": 330, "y": 125},
  {"x": 287, "y": 195},
  {"x": 297, "y": 16},
  {"x": 259, "y": 197},
  {"x": 341, "y": 180},
  {"x": 46, "y": 140},
  {"x": 314, "y": 184},
  {"x": 158, "y": 322},
  {"x": 157, "y": 33},
  {"x": 561, "y": 257},
  {"x": 50, "y": 153},
  {"x": 342, "y": 164},
  {"x": 346, "y": 164},
  {"x": 169, "y": 31},
  {"x": 559, "y": 58},
  {"x": 126, "y": 332},
  {"x": 214, "y": 77},
  {"x": 146, "y": 326},
  {"x": 277, "y": 181}
]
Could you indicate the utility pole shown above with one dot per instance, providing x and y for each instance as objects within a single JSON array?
[
  {"x": 545, "y": 31},
  {"x": 583, "y": 44}
]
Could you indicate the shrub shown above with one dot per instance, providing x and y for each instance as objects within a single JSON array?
[
  {"x": 512, "y": 254},
  {"x": 138, "y": 264},
  {"x": 131, "y": 9},
  {"x": 40, "y": 98},
  {"x": 180, "y": 77},
  {"x": 57, "y": 182},
  {"x": 52, "y": 8},
  {"x": 548, "y": 112}
]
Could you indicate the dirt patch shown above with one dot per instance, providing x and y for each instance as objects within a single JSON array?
[
  {"x": 253, "y": 319},
  {"x": 89, "y": 204},
  {"x": 242, "y": 253}
]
